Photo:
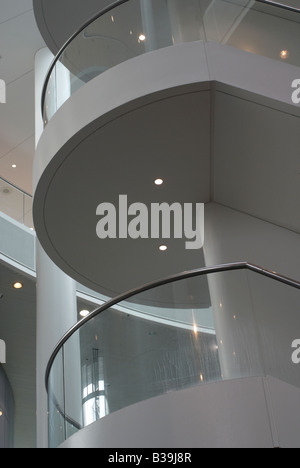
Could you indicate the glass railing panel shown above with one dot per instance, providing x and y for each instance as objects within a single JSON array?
[
  {"x": 28, "y": 218},
  {"x": 236, "y": 327},
  {"x": 254, "y": 27},
  {"x": 136, "y": 27},
  {"x": 276, "y": 311},
  {"x": 15, "y": 203},
  {"x": 56, "y": 403},
  {"x": 127, "y": 355},
  {"x": 219, "y": 326},
  {"x": 11, "y": 201},
  {"x": 72, "y": 382},
  {"x": 127, "y": 31}
]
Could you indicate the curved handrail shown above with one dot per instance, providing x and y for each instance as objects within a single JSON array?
[
  {"x": 15, "y": 187},
  {"x": 107, "y": 10},
  {"x": 71, "y": 39},
  {"x": 171, "y": 279}
]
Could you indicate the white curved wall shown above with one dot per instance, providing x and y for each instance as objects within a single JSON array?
[
  {"x": 247, "y": 413},
  {"x": 166, "y": 69}
]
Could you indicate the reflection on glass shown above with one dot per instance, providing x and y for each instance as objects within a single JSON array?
[
  {"x": 204, "y": 329},
  {"x": 93, "y": 396},
  {"x": 15, "y": 203},
  {"x": 140, "y": 26}
]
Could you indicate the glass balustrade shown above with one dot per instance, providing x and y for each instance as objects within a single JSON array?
[
  {"x": 213, "y": 325},
  {"x": 16, "y": 203},
  {"x": 134, "y": 27}
]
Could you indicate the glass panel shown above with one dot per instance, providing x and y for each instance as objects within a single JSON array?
[
  {"x": 73, "y": 399},
  {"x": 56, "y": 405},
  {"x": 276, "y": 308},
  {"x": 28, "y": 219},
  {"x": 15, "y": 203},
  {"x": 187, "y": 333},
  {"x": 254, "y": 27},
  {"x": 140, "y": 26},
  {"x": 236, "y": 327},
  {"x": 11, "y": 201}
]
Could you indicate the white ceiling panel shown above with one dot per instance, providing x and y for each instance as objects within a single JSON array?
[
  {"x": 17, "y": 115},
  {"x": 12, "y": 8},
  {"x": 19, "y": 41},
  {"x": 22, "y": 157}
]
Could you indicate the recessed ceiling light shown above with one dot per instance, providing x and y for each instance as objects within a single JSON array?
[
  {"x": 159, "y": 181},
  {"x": 1, "y": 412},
  {"x": 163, "y": 248},
  {"x": 284, "y": 54},
  {"x": 18, "y": 285},
  {"x": 84, "y": 313},
  {"x": 14, "y": 166},
  {"x": 142, "y": 37}
]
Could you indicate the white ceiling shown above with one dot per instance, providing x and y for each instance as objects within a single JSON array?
[{"x": 20, "y": 40}]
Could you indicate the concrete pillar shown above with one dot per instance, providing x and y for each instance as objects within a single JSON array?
[
  {"x": 148, "y": 25},
  {"x": 185, "y": 20},
  {"x": 255, "y": 317}
]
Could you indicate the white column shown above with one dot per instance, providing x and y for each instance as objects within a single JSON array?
[
  {"x": 255, "y": 317},
  {"x": 148, "y": 25},
  {"x": 56, "y": 292},
  {"x": 186, "y": 21}
]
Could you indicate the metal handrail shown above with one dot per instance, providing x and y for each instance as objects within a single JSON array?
[
  {"x": 107, "y": 10},
  {"x": 15, "y": 187},
  {"x": 171, "y": 279}
]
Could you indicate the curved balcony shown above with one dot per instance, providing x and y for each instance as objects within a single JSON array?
[
  {"x": 188, "y": 98},
  {"x": 130, "y": 350},
  {"x": 130, "y": 28}
]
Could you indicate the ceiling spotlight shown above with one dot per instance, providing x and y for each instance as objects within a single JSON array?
[
  {"x": 142, "y": 37},
  {"x": 163, "y": 248},
  {"x": 84, "y": 313},
  {"x": 1, "y": 412},
  {"x": 284, "y": 54},
  {"x": 18, "y": 285},
  {"x": 159, "y": 181},
  {"x": 14, "y": 166}
]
